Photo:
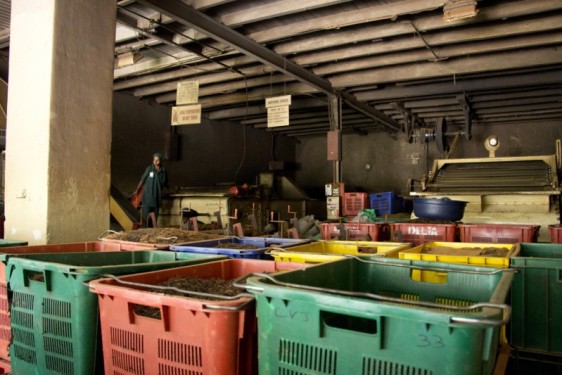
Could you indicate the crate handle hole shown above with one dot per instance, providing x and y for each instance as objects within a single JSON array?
[
  {"x": 147, "y": 311},
  {"x": 350, "y": 323},
  {"x": 35, "y": 276}
]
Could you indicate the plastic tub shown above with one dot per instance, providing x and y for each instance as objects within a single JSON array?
[
  {"x": 536, "y": 298},
  {"x": 439, "y": 209},
  {"x": 356, "y": 317},
  {"x": 325, "y": 251},
  {"x": 191, "y": 335},
  {"x": 55, "y": 317},
  {"x": 261, "y": 252}
]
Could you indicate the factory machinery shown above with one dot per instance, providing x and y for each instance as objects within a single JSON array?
[
  {"x": 502, "y": 190},
  {"x": 271, "y": 205}
]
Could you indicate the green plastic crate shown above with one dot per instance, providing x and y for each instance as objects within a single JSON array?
[
  {"x": 10, "y": 243},
  {"x": 536, "y": 298},
  {"x": 55, "y": 325},
  {"x": 302, "y": 331}
]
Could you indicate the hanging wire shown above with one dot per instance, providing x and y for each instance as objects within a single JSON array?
[{"x": 243, "y": 134}]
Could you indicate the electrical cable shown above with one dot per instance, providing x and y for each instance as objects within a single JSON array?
[{"x": 243, "y": 134}]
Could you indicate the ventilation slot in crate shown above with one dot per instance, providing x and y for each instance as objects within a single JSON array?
[
  {"x": 171, "y": 370},
  {"x": 57, "y": 308},
  {"x": 130, "y": 363},
  {"x": 57, "y": 346},
  {"x": 57, "y": 327},
  {"x": 127, "y": 340},
  {"x": 21, "y": 318},
  {"x": 375, "y": 366},
  {"x": 23, "y": 301},
  {"x": 180, "y": 353},
  {"x": 59, "y": 365},
  {"x": 24, "y": 337},
  {"x": 24, "y": 354},
  {"x": 312, "y": 358}
]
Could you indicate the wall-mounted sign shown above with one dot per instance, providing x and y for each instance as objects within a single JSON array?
[
  {"x": 186, "y": 114},
  {"x": 187, "y": 92},
  {"x": 278, "y": 111}
]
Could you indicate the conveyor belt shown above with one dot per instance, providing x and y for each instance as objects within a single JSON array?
[{"x": 532, "y": 175}]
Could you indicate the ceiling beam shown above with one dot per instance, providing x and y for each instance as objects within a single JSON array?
[
  {"x": 463, "y": 85},
  {"x": 214, "y": 29},
  {"x": 362, "y": 14},
  {"x": 346, "y": 36},
  {"x": 187, "y": 71},
  {"x": 206, "y": 79},
  {"x": 254, "y": 12},
  {"x": 444, "y": 53},
  {"x": 474, "y": 34}
]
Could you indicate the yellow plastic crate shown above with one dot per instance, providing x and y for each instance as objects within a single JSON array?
[
  {"x": 416, "y": 253},
  {"x": 326, "y": 251}
]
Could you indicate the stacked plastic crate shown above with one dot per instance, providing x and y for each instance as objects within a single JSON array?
[
  {"x": 55, "y": 317},
  {"x": 536, "y": 298}
]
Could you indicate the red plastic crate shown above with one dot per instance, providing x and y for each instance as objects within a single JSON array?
[
  {"x": 498, "y": 233},
  {"x": 419, "y": 233},
  {"x": 354, "y": 202},
  {"x": 555, "y": 233},
  {"x": 357, "y": 231},
  {"x": 190, "y": 337},
  {"x": 5, "y": 367},
  {"x": 5, "y": 334}
]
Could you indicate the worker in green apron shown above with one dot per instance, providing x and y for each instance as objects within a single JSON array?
[{"x": 152, "y": 182}]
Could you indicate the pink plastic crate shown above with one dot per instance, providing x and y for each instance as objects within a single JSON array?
[
  {"x": 5, "y": 367},
  {"x": 189, "y": 335},
  {"x": 356, "y": 231},
  {"x": 419, "y": 233},
  {"x": 498, "y": 233},
  {"x": 555, "y": 233},
  {"x": 354, "y": 202}
]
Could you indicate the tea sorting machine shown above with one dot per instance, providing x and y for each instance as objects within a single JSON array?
[{"x": 499, "y": 190}]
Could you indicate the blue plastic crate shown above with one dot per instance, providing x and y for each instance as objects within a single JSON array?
[
  {"x": 386, "y": 203},
  {"x": 263, "y": 245}
]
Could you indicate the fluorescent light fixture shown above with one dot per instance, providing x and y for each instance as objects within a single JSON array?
[
  {"x": 127, "y": 59},
  {"x": 459, "y": 9}
]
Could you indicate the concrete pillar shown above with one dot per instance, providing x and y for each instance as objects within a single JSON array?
[{"x": 59, "y": 120}]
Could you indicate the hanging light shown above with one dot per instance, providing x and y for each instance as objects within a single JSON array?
[
  {"x": 127, "y": 59},
  {"x": 459, "y": 9}
]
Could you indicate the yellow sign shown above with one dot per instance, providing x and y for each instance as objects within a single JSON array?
[
  {"x": 187, "y": 92},
  {"x": 186, "y": 115}
]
